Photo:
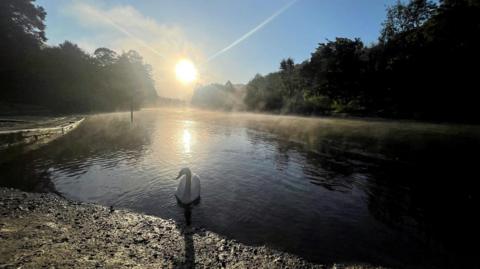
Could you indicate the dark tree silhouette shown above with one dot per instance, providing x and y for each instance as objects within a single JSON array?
[
  {"x": 105, "y": 56},
  {"x": 64, "y": 78},
  {"x": 21, "y": 24},
  {"x": 403, "y": 18},
  {"x": 423, "y": 67}
]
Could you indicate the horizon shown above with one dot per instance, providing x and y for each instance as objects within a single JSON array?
[
  {"x": 258, "y": 34},
  {"x": 246, "y": 134}
]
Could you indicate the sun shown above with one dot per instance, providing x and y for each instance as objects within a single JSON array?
[{"x": 186, "y": 71}]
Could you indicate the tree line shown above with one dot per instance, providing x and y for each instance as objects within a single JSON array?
[
  {"x": 64, "y": 78},
  {"x": 217, "y": 96},
  {"x": 424, "y": 66}
]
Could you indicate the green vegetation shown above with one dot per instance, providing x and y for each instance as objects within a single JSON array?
[
  {"x": 424, "y": 66},
  {"x": 64, "y": 78}
]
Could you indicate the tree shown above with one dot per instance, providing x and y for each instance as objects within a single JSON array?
[
  {"x": 65, "y": 78},
  {"x": 287, "y": 65},
  {"x": 21, "y": 24},
  {"x": 287, "y": 68},
  {"x": 423, "y": 67},
  {"x": 406, "y": 17},
  {"x": 105, "y": 56},
  {"x": 337, "y": 69},
  {"x": 229, "y": 87},
  {"x": 21, "y": 34}
]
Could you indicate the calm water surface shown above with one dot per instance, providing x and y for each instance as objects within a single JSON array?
[{"x": 388, "y": 193}]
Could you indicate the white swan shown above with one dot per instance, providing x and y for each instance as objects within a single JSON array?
[{"x": 188, "y": 190}]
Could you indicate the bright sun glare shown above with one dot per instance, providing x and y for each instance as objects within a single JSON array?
[{"x": 186, "y": 71}]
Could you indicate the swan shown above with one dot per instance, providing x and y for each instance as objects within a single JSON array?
[{"x": 188, "y": 190}]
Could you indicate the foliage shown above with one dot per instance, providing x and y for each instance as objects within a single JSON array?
[
  {"x": 423, "y": 67},
  {"x": 402, "y": 18},
  {"x": 64, "y": 78}
]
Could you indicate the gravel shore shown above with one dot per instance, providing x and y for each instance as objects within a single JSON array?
[{"x": 40, "y": 230}]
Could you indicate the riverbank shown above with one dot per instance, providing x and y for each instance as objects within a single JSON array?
[{"x": 45, "y": 230}]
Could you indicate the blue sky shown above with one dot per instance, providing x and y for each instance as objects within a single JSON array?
[{"x": 164, "y": 31}]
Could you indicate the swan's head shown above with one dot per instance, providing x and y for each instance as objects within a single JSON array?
[{"x": 184, "y": 171}]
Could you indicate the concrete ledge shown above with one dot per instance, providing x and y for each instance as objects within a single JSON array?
[{"x": 43, "y": 132}]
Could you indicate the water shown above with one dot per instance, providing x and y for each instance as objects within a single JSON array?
[{"x": 329, "y": 190}]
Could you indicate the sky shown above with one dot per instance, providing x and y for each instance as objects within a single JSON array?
[{"x": 225, "y": 39}]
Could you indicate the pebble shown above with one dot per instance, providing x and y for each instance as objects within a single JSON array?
[{"x": 121, "y": 240}]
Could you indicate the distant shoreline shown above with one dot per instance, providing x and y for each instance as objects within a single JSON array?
[{"x": 342, "y": 117}]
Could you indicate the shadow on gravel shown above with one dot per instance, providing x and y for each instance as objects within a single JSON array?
[
  {"x": 188, "y": 240},
  {"x": 188, "y": 231}
]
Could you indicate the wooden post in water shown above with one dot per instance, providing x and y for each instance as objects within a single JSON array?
[{"x": 131, "y": 110}]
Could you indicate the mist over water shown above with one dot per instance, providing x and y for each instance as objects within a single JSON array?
[{"x": 329, "y": 190}]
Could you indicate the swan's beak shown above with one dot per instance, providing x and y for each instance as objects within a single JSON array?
[{"x": 179, "y": 175}]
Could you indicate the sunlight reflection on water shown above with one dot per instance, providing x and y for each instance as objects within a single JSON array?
[{"x": 187, "y": 141}]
